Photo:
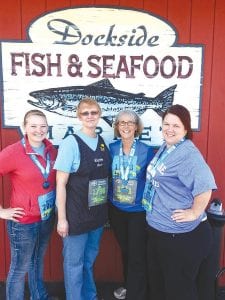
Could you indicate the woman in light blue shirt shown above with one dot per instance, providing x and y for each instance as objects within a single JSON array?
[{"x": 178, "y": 188}]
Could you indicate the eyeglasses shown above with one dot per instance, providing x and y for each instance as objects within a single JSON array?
[
  {"x": 87, "y": 113},
  {"x": 128, "y": 123}
]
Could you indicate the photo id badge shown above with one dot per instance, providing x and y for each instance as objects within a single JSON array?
[
  {"x": 124, "y": 193},
  {"x": 97, "y": 192},
  {"x": 47, "y": 204}
]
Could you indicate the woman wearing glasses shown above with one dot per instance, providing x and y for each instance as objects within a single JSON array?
[
  {"x": 82, "y": 165},
  {"x": 127, "y": 217}
]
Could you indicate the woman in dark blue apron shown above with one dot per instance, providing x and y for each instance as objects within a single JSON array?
[{"x": 82, "y": 165}]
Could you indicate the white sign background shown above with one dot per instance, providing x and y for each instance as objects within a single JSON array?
[{"x": 143, "y": 36}]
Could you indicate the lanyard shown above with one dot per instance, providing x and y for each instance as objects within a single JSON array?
[
  {"x": 149, "y": 190},
  {"x": 157, "y": 160},
  {"x": 44, "y": 171},
  {"x": 124, "y": 171}
]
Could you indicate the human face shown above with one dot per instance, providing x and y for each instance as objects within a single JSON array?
[
  {"x": 36, "y": 128},
  {"x": 89, "y": 115},
  {"x": 172, "y": 129},
  {"x": 127, "y": 127}
]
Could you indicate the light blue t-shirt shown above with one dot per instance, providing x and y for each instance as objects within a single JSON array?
[
  {"x": 68, "y": 158},
  {"x": 183, "y": 175}
]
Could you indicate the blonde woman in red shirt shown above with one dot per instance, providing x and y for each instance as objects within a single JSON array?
[{"x": 30, "y": 216}]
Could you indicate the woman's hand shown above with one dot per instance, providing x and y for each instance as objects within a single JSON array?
[
  {"x": 199, "y": 205},
  {"x": 183, "y": 215},
  {"x": 63, "y": 228},
  {"x": 12, "y": 214}
]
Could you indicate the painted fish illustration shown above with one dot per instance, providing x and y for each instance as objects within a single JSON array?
[{"x": 63, "y": 100}]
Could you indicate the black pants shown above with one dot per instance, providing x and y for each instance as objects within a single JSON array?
[
  {"x": 174, "y": 261},
  {"x": 131, "y": 234}
]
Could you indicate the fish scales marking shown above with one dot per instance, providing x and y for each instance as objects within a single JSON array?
[{"x": 63, "y": 100}]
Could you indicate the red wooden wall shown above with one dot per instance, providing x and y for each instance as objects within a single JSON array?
[{"x": 196, "y": 21}]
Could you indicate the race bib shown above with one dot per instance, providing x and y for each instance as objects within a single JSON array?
[
  {"x": 47, "y": 204},
  {"x": 97, "y": 192}
]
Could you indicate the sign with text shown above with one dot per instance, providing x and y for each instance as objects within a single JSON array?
[{"x": 125, "y": 59}]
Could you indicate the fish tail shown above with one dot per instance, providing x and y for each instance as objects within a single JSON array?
[{"x": 165, "y": 99}]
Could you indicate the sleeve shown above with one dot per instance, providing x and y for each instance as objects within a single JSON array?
[
  {"x": 196, "y": 175},
  {"x": 7, "y": 160},
  {"x": 68, "y": 158}
]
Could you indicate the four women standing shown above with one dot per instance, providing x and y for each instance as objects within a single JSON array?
[{"x": 177, "y": 191}]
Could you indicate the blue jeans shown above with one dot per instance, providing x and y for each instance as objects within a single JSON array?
[
  {"x": 28, "y": 243},
  {"x": 80, "y": 252}
]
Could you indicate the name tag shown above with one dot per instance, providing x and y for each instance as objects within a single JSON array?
[
  {"x": 97, "y": 192},
  {"x": 47, "y": 204}
]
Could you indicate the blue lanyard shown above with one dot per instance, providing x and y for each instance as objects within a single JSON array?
[
  {"x": 124, "y": 171},
  {"x": 149, "y": 191},
  {"x": 44, "y": 171}
]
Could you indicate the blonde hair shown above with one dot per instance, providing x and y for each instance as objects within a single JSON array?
[
  {"x": 33, "y": 112},
  {"x": 89, "y": 102}
]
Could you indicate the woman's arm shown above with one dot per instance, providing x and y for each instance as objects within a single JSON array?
[
  {"x": 11, "y": 213},
  {"x": 199, "y": 205},
  {"x": 61, "y": 181}
]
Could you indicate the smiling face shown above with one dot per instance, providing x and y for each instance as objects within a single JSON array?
[
  {"x": 36, "y": 128},
  {"x": 127, "y": 126},
  {"x": 173, "y": 129},
  {"x": 89, "y": 115}
]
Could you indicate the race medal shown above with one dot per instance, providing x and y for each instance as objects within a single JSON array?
[
  {"x": 124, "y": 193},
  {"x": 97, "y": 192},
  {"x": 46, "y": 185}
]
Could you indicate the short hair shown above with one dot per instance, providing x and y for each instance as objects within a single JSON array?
[
  {"x": 90, "y": 102},
  {"x": 135, "y": 118},
  {"x": 33, "y": 112},
  {"x": 183, "y": 114}
]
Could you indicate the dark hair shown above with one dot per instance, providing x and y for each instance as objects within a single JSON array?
[
  {"x": 183, "y": 114},
  {"x": 135, "y": 118}
]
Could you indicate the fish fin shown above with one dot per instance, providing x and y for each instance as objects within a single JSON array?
[
  {"x": 104, "y": 83},
  {"x": 108, "y": 120},
  {"x": 165, "y": 98}
]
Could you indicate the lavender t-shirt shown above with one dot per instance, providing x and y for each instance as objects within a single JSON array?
[{"x": 184, "y": 175}]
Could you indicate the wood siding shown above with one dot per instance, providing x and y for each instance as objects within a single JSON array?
[{"x": 197, "y": 22}]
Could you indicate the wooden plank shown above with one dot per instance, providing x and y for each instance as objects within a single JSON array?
[
  {"x": 82, "y": 2},
  {"x": 108, "y": 266},
  {"x": 216, "y": 143},
  {"x": 132, "y": 4},
  {"x": 30, "y": 13},
  {"x": 56, "y": 259},
  {"x": 10, "y": 19},
  {"x": 57, "y": 4},
  {"x": 107, "y": 3},
  {"x": 202, "y": 22},
  {"x": 2, "y": 250},
  {"x": 159, "y": 7},
  {"x": 179, "y": 15}
]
